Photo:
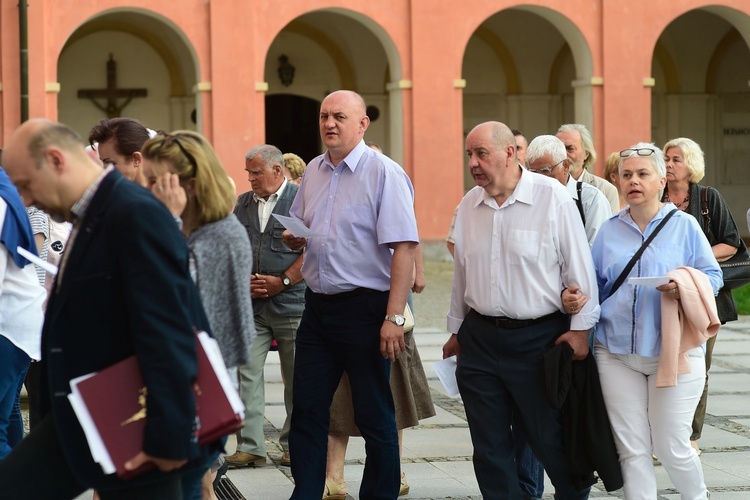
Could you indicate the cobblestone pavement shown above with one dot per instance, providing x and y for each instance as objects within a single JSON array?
[{"x": 437, "y": 453}]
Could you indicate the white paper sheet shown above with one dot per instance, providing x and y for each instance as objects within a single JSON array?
[
  {"x": 296, "y": 227},
  {"x": 649, "y": 280},
  {"x": 446, "y": 372},
  {"x": 50, "y": 268}
]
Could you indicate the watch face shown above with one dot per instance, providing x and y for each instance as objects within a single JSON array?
[
  {"x": 286, "y": 281},
  {"x": 400, "y": 320}
]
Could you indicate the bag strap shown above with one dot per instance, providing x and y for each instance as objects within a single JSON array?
[
  {"x": 706, "y": 218},
  {"x": 579, "y": 202},
  {"x": 621, "y": 278}
]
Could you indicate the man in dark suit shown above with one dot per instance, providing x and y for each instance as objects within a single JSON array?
[{"x": 123, "y": 289}]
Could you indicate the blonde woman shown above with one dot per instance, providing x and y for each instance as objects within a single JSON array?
[
  {"x": 184, "y": 172},
  {"x": 294, "y": 167}
]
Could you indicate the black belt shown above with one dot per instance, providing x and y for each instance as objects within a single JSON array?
[
  {"x": 512, "y": 324},
  {"x": 349, "y": 293}
]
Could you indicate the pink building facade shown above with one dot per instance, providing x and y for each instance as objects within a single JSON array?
[{"x": 429, "y": 69}]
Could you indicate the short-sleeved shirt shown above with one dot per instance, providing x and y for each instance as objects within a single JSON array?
[{"x": 361, "y": 206}]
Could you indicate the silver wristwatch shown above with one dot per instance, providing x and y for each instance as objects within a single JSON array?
[
  {"x": 396, "y": 319},
  {"x": 285, "y": 280}
]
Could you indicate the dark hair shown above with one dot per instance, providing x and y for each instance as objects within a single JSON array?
[
  {"x": 129, "y": 134},
  {"x": 516, "y": 132}
]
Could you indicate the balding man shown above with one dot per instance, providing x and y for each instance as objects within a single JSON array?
[
  {"x": 580, "y": 147},
  {"x": 519, "y": 241},
  {"x": 123, "y": 288},
  {"x": 358, "y": 276}
]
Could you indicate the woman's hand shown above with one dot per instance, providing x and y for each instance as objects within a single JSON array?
[
  {"x": 670, "y": 290},
  {"x": 573, "y": 300},
  {"x": 167, "y": 190}
]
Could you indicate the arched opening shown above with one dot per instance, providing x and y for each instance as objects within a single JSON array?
[
  {"x": 292, "y": 124},
  {"x": 329, "y": 50},
  {"x": 701, "y": 91},
  {"x": 529, "y": 68},
  {"x": 155, "y": 72}
]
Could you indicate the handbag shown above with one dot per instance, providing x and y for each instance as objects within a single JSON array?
[
  {"x": 736, "y": 270},
  {"x": 626, "y": 270},
  {"x": 408, "y": 319}
]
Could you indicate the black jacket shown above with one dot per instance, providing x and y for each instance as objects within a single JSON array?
[
  {"x": 574, "y": 388},
  {"x": 125, "y": 289}
]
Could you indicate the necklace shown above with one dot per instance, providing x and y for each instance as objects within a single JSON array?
[{"x": 681, "y": 205}]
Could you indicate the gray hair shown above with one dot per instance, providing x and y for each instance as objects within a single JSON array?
[
  {"x": 269, "y": 154},
  {"x": 587, "y": 142},
  {"x": 656, "y": 157},
  {"x": 544, "y": 145}
]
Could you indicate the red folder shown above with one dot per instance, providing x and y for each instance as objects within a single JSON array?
[{"x": 115, "y": 400}]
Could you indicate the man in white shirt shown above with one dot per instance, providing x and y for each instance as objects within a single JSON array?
[
  {"x": 580, "y": 147},
  {"x": 546, "y": 155},
  {"x": 518, "y": 243}
]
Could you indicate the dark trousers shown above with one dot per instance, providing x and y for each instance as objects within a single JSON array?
[
  {"x": 529, "y": 468},
  {"x": 342, "y": 333},
  {"x": 37, "y": 468},
  {"x": 501, "y": 382},
  {"x": 700, "y": 411}
]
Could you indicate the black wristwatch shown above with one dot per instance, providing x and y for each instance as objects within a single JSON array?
[{"x": 285, "y": 280}]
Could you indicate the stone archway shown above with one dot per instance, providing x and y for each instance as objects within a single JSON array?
[
  {"x": 530, "y": 68},
  {"x": 701, "y": 91},
  {"x": 149, "y": 53},
  {"x": 335, "y": 49}
]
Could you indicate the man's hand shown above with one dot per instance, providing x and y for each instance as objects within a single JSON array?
[
  {"x": 451, "y": 347},
  {"x": 164, "y": 464},
  {"x": 573, "y": 300},
  {"x": 167, "y": 190},
  {"x": 419, "y": 282},
  {"x": 292, "y": 241},
  {"x": 263, "y": 286},
  {"x": 578, "y": 340},
  {"x": 391, "y": 340}
]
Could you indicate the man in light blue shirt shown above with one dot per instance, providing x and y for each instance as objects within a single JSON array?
[{"x": 358, "y": 275}]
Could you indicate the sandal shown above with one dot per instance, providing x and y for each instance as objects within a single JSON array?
[
  {"x": 404, "y": 486},
  {"x": 334, "y": 491}
]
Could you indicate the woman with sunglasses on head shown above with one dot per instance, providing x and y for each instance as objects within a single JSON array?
[
  {"x": 184, "y": 172},
  {"x": 685, "y": 168},
  {"x": 651, "y": 405}
]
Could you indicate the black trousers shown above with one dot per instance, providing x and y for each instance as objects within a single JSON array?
[
  {"x": 337, "y": 334},
  {"x": 500, "y": 377}
]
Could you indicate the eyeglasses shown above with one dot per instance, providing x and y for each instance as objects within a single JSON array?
[
  {"x": 168, "y": 139},
  {"x": 627, "y": 153},
  {"x": 546, "y": 170}
]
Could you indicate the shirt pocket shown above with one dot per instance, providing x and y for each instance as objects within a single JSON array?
[{"x": 522, "y": 247}]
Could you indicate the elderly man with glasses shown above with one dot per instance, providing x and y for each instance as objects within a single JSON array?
[{"x": 546, "y": 155}]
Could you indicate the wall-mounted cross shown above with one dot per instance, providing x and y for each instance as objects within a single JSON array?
[{"x": 111, "y": 93}]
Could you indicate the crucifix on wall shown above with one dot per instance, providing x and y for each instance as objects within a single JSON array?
[{"x": 112, "y": 94}]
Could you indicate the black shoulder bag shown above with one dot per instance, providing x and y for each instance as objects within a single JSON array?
[{"x": 736, "y": 270}]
